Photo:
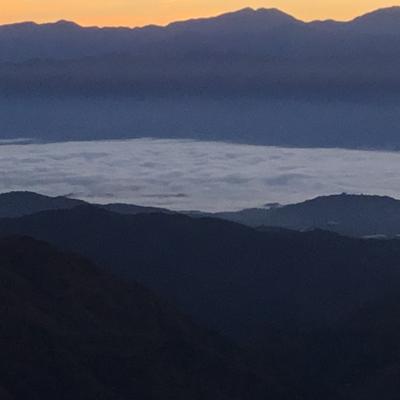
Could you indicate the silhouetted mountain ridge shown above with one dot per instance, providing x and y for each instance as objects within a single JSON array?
[
  {"x": 354, "y": 215},
  {"x": 253, "y": 76},
  {"x": 17, "y": 204},
  {"x": 167, "y": 252},
  {"x": 260, "y": 20},
  {"x": 25, "y": 41},
  {"x": 383, "y": 21},
  {"x": 319, "y": 309}
]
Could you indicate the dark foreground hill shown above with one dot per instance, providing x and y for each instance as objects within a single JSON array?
[
  {"x": 232, "y": 277},
  {"x": 320, "y": 310},
  {"x": 363, "y": 352},
  {"x": 69, "y": 331},
  {"x": 353, "y": 215}
]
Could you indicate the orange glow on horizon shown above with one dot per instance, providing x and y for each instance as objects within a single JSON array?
[{"x": 161, "y": 12}]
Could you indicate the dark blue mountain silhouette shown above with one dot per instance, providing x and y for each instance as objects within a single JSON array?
[
  {"x": 258, "y": 76},
  {"x": 26, "y": 41},
  {"x": 70, "y": 331},
  {"x": 320, "y": 310}
]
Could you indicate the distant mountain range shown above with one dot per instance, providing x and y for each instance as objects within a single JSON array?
[
  {"x": 260, "y": 32},
  {"x": 352, "y": 215},
  {"x": 316, "y": 312},
  {"x": 255, "y": 76},
  {"x": 248, "y": 52}
]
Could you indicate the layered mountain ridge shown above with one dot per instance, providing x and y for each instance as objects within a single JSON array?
[
  {"x": 253, "y": 76},
  {"x": 345, "y": 214},
  {"x": 317, "y": 312}
]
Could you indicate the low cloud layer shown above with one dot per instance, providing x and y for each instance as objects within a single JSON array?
[{"x": 183, "y": 174}]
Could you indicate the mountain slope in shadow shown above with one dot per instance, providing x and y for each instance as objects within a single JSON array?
[
  {"x": 69, "y": 330},
  {"x": 233, "y": 278},
  {"x": 317, "y": 309}
]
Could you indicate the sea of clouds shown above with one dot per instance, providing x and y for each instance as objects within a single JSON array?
[{"x": 187, "y": 174}]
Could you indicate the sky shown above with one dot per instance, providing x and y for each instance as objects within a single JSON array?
[
  {"x": 144, "y": 12},
  {"x": 189, "y": 175}
]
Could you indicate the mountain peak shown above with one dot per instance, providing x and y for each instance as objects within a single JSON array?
[
  {"x": 259, "y": 12},
  {"x": 65, "y": 22},
  {"x": 62, "y": 23},
  {"x": 245, "y": 10},
  {"x": 18, "y": 203},
  {"x": 252, "y": 19}
]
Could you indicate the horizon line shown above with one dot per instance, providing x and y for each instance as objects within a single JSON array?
[{"x": 62, "y": 20}]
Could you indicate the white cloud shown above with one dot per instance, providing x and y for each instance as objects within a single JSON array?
[{"x": 186, "y": 174}]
